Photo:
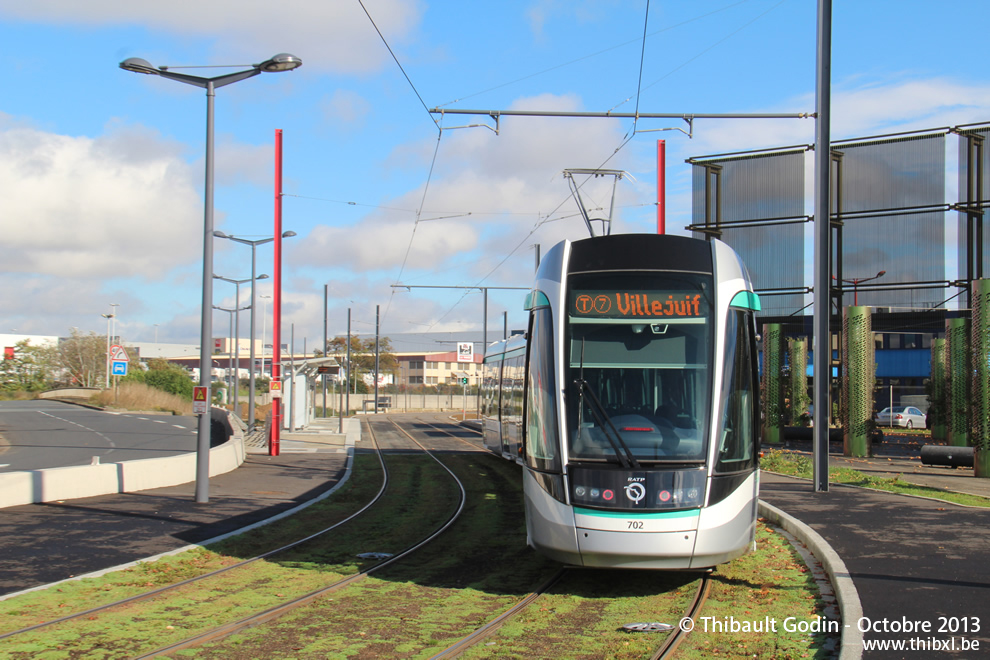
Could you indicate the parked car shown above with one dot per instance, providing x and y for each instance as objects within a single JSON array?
[{"x": 907, "y": 417}]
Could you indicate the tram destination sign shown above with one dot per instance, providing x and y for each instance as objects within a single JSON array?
[{"x": 637, "y": 304}]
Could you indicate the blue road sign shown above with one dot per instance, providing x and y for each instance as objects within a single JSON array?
[{"x": 118, "y": 368}]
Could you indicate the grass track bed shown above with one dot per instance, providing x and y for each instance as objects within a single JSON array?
[
  {"x": 178, "y": 614},
  {"x": 427, "y": 601}
]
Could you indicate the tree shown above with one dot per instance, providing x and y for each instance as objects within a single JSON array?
[
  {"x": 29, "y": 369},
  {"x": 84, "y": 358},
  {"x": 363, "y": 357}
]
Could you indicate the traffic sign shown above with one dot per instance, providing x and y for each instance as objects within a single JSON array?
[
  {"x": 465, "y": 351},
  {"x": 201, "y": 403},
  {"x": 118, "y": 354},
  {"x": 118, "y": 368}
]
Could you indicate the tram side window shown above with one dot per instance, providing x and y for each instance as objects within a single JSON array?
[
  {"x": 541, "y": 408},
  {"x": 737, "y": 445},
  {"x": 489, "y": 388}
]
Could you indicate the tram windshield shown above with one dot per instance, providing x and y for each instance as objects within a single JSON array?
[{"x": 640, "y": 348}]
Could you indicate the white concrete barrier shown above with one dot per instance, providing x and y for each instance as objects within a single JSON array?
[{"x": 67, "y": 483}]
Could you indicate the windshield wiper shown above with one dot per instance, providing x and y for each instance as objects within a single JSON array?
[{"x": 622, "y": 451}]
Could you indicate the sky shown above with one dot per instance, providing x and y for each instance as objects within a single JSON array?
[{"x": 102, "y": 170}]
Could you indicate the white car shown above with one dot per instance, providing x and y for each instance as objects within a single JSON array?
[{"x": 907, "y": 417}]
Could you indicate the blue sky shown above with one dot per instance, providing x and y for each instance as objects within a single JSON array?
[{"x": 101, "y": 170}]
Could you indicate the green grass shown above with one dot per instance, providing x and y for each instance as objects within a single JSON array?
[
  {"x": 417, "y": 607},
  {"x": 799, "y": 465},
  {"x": 420, "y": 497}
]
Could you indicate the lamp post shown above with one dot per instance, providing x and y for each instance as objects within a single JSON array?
[
  {"x": 254, "y": 245},
  {"x": 280, "y": 62},
  {"x": 237, "y": 335},
  {"x": 232, "y": 340},
  {"x": 107, "y": 361},
  {"x": 856, "y": 281}
]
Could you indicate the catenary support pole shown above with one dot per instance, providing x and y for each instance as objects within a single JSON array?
[
  {"x": 273, "y": 445},
  {"x": 823, "y": 249}
]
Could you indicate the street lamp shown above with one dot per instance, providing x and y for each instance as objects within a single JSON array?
[
  {"x": 108, "y": 317},
  {"x": 231, "y": 341},
  {"x": 237, "y": 332},
  {"x": 254, "y": 245},
  {"x": 280, "y": 62},
  {"x": 856, "y": 281},
  {"x": 111, "y": 331}
]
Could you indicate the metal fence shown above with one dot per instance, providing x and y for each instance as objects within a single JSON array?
[{"x": 890, "y": 216}]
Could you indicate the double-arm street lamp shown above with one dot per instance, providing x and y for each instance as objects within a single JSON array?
[
  {"x": 281, "y": 62},
  {"x": 230, "y": 345},
  {"x": 237, "y": 336},
  {"x": 254, "y": 245},
  {"x": 856, "y": 281}
]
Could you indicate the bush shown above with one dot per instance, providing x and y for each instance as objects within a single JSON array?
[
  {"x": 173, "y": 382},
  {"x": 170, "y": 378}
]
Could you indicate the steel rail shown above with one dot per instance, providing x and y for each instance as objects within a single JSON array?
[
  {"x": 489, "y": 628},
  {"x": 271, "y": 613},
  {"x": 155, "y": 592},
  {"x": 673, "y": 641}
]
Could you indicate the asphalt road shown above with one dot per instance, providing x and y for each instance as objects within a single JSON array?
[
  {"x": 911, "y": 559},
  {"x": 44, "y": 434}
]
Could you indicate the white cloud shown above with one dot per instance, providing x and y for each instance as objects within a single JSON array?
[
  {"x": 859, "y": 109},
  {"x": 347, "y": 107},
  {"x": 506, "y": 182},
  {"x": 379, "y": 243},
  {"x": 236, "y": 162},
  {"x": 85, "y": 207},
  {"x": 335, "y": 36}
]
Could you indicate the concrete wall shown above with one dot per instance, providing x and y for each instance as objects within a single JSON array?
[{"x": 66, "y": 483}]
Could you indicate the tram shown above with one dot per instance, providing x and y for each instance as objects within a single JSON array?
[{"x": 632, "y": 403}]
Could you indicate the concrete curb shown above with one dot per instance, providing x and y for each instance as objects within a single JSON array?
[
  {"x": 851, "y": 647},
  {"x": 67, "y": 483}
]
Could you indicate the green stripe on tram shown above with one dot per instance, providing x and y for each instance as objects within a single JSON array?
[
  {"x": 536, "y": 299},
  {"x": 636, "y": 514}
]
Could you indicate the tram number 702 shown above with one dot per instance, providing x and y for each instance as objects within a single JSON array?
[{"x": 635, "y": 524}]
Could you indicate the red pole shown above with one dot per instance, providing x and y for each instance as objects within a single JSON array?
[
  {"x": 661, "y": 187},
  {"x": 273, "y": 446}
]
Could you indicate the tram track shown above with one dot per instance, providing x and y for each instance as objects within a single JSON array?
[
  {"x": 259, "y": 618},
  {"x": 437, "y": 577},
  {"x": 666, "y": 650},
  {"x": 678, "y": 629},
  {"x": 411, "y": 603},
  {"x": 682, "y": 629},
  {"x": 240, "y": 584},
  {"x": 678, "y": 633},
  {"x": 137, "y": 598}
]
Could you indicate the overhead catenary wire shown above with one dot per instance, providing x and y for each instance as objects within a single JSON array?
[
  {"x": 642, "y": 60},
  {"x": 636, "y": 116},
  {"x": 695, "y": 57},
  {"x": 592, "y": 55},
  {"x": 398, "y": 63}
]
